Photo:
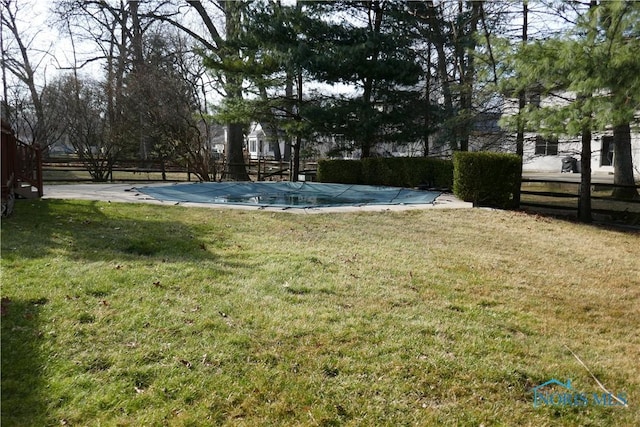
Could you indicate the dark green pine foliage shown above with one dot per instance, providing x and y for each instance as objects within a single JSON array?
[
  {"x": 365, "y": 46},
  {"x": 368, "y": 46},
  {"x": 273, "y": 47},
  {"x": 255, "y": 62},
  {"x": 226, "y": 63}
]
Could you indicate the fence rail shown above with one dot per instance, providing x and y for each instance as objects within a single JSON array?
[
  {"x": 21, "y": 166},
  {"x": 593, "y": 184},
  {"x": 74, "y": 170},
  {"x": 563, "y": 195}
]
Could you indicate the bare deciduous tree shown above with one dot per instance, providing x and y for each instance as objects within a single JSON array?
[{"x": 23, "y": 57}]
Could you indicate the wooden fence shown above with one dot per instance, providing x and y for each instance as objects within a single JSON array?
[
  {"x": 21, "y": 169},
  {"x": 564, "y": 195},
  {"x": 74, "y": 170}
]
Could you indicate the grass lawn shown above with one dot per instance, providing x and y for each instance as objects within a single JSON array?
[{"x": 125, "y": 314}]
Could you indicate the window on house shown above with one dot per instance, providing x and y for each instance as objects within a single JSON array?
[
  {"x": 606, "y": 151},
  {"x": 546, "y": 146},
  {"x": 252, "y": 146}
]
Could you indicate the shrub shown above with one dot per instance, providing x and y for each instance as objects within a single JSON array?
[
  {"x": 429, "y": 172},
  {"x": 400, "y": 172},
  {"x": 391, "y": 171},
  {"x": 376, "y": 171},
  {"x": 340, "y": 171},
  {"x": 487, "y": 179}
]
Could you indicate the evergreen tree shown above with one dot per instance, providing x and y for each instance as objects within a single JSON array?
[
  {"x": 616, "y": 78},
  {"x": 590, "y": 81},
  {"x": 371, "y": 50},
  {"x": 273, "y": 44}
]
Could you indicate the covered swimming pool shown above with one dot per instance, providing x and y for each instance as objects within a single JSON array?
[{"x": 288, "y": 194}]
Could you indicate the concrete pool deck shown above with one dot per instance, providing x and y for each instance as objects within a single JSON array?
[{"x": 127, "y": 193}]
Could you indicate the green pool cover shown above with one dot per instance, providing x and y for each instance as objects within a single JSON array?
[{"x": 288, "y": 194}]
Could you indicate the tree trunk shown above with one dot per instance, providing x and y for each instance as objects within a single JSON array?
[
  {"x": 439, "y": 43},
  {"x": 367, "y": 136},
  {"x": 296, "y": 149},
  {"x": 584, "y": 204},
  {"x": 273, "y": 136},
  {"x": 467, "y": 75},
  {"x": 274, "y": 140},
  {"x": 427, "y": 111},
  {"x": 296, "y": 159},
  {"x": 236, "y": 169},
  {"x": 623, "y": 162},
  {"x": 118, "y": 41},
  {"x": 436, "y": 38},
  {"x": 522, "y": 96},
  {"x": 138, "y": 73},
  {"x": 288, "y": 93},
  {"x": 366, "y": 150},
  {"x": 26, "y": 74},
  {"x": 522, "y": 101}
]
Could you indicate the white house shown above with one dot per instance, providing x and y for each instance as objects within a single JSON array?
[
  {"x": 546, "y": 154},
  {"x": 259, "y": 142}
]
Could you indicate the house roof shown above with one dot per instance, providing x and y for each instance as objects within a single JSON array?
[{"x": 258, "y": 128}]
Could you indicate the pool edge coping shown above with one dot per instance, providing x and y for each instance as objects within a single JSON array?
[{"x": 127, "y": 193}]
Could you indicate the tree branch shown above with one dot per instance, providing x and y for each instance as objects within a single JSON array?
[
  {"x": 188, "y": 31},
  {"x": 206, "y": 19}
]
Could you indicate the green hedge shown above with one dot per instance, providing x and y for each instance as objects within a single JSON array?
[
  {"x": 487, "y": 179},
  {"x": 391, "y": 171},
  {"x": 340, "y": 171},
  {"x": 377, "y": 171}
]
